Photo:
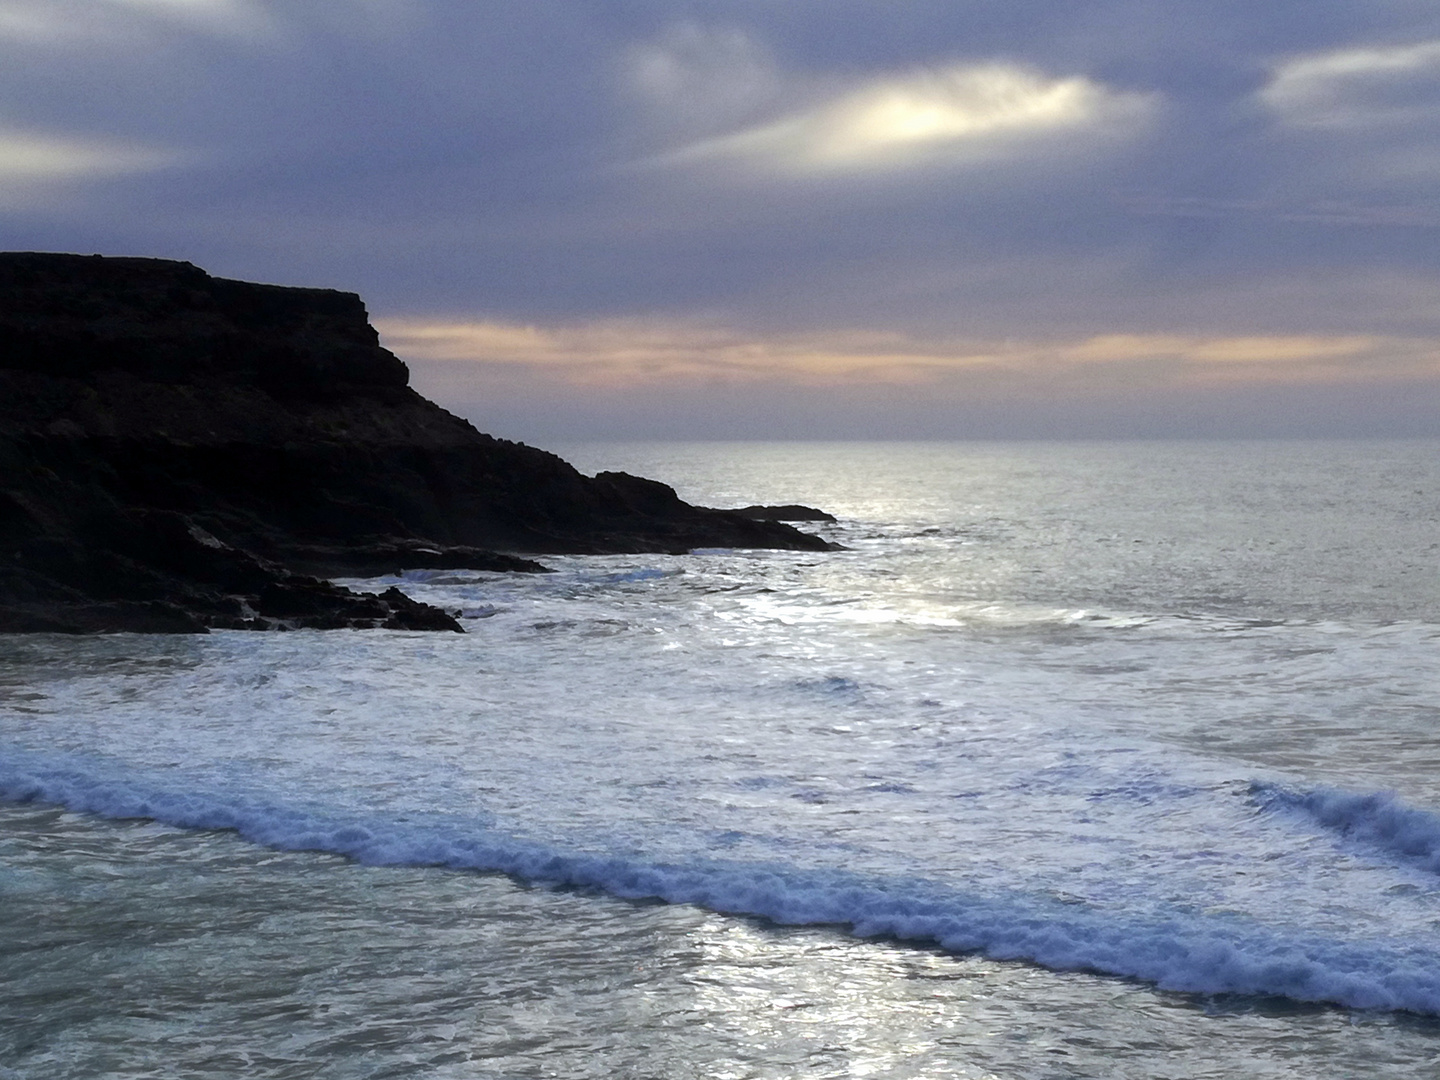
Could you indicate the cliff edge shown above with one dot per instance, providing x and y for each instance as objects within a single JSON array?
[{"x": 179, "y": 451}]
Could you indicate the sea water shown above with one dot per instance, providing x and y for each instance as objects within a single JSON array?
[{"x": 1079, "y": 760}]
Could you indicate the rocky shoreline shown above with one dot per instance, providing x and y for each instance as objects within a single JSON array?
[{"x": 180, "y": 452}]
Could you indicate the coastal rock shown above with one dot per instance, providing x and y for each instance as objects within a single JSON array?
[
  {"x": 179, "y": 451},
  {"x": 788, "y": 512}
]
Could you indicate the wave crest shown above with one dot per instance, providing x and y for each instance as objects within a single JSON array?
[
  {"x": 1194, "y": 954},
  {"x": 1377, "y": 819}
]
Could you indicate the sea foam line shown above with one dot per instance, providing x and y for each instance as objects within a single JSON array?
[{"x": 1191, "y": 954}]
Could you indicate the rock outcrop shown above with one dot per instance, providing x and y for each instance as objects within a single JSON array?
[
  {"x": 179, "y": 452},
  {"x": 788, "y": 512}
]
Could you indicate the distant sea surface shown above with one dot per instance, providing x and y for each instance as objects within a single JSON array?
[{"x": 1082, "y": 760}]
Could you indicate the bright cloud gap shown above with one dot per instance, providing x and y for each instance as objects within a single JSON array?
[{"x": 951, "y": 114}]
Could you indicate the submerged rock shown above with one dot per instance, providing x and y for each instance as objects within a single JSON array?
[{"x": 179, "y": 452}]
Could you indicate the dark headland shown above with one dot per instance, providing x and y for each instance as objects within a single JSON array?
[{"x": 180, "y": 452}]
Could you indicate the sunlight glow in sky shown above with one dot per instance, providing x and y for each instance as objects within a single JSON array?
[
  {"x": 634, "y": 353},
  {"x": 897, "y": 123}
]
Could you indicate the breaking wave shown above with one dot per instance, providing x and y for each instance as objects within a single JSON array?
[
  {"x": 1377, "y": 819},
  {"x": 1194, "y": 953}
]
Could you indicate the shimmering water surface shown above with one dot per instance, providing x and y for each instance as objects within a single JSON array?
[{"x": 1082, "y": 760}]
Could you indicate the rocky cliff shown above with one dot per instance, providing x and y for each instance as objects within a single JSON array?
[{"x": 179, "y": 451}]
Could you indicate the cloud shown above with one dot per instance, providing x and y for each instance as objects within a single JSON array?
[
  {"x": 29, "y": 23},
  {"x": 31, "y": 164},
  {"x": 204, "y": 11},
  {"x": 60, "y": 22},
  {"x": 1359, "y": 88},
  {"x": 698, "y": 80},
  {"x": 957, "y": 114},
  {"x": 639, "y": 352},
  {"x": 1317, "y": 211}
]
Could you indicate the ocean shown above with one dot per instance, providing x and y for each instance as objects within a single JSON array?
[{"x": 1081, "y": 760}]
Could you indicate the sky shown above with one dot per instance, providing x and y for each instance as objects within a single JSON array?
[{"x": 779, "y": 219}]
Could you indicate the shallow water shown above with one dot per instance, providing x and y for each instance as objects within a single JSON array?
[{"x": 1070, "y": 766}]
